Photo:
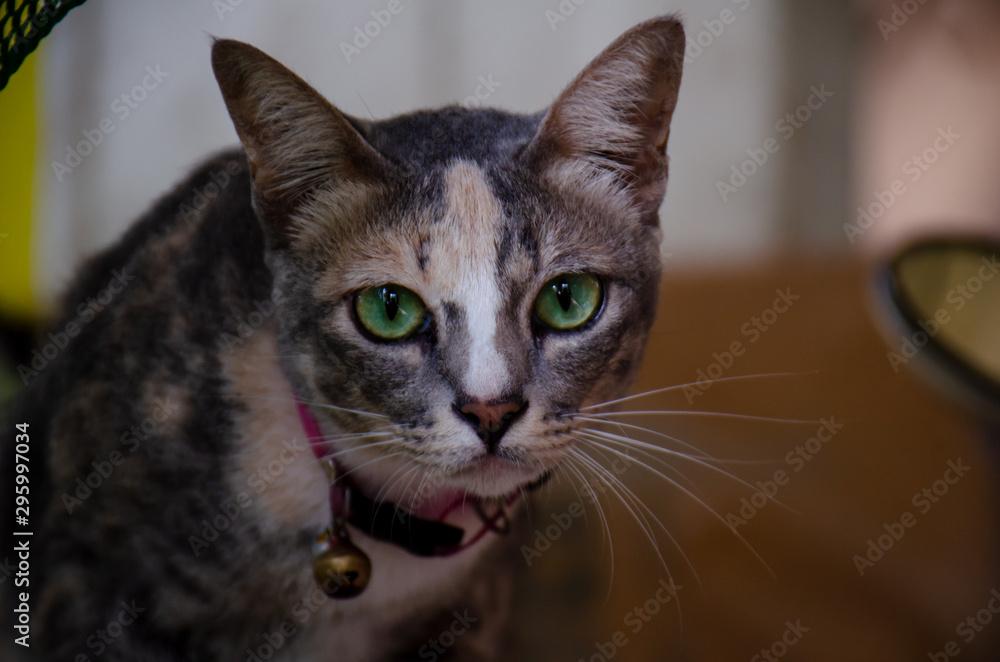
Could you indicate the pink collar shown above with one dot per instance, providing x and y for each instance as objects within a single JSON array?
[{"x": 388, "y": 522}]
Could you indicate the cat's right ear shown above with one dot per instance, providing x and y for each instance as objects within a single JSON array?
[{"x": 295, "y": 140}]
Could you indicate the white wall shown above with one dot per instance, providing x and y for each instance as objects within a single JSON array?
[{"x": 431, "y": 53}]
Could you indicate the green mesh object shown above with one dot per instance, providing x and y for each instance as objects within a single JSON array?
[{"x": 23, "y": 24}]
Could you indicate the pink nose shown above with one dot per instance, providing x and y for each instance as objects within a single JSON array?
[{"x": 490, "y": 420}]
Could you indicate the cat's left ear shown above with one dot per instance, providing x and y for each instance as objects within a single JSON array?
[
  {"x": 609, "y": 128},
  {"x": 294, "y": 139}
]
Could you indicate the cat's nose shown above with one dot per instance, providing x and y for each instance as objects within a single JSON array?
[{"x": 490, "y": 420}]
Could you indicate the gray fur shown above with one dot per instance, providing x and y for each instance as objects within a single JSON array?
[{"x": 252, "y": 291}]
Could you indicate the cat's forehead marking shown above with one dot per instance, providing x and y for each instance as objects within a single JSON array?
[
  {"x": 462, "y": 240},
  {"x": 462, "y": 265},
  {"x": 423, "y": 253},
  {"x": 470, "y": 202},
  {"x": 452, "y": 314}
]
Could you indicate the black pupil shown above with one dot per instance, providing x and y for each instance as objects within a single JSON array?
[
  {"x": 391, "y": 303},
  {"x": 564, "y": 295}
]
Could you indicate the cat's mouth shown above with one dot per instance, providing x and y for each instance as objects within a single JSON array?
[
  {"x": 488, "y": 480},
  {"x": 424, "y": 485}
]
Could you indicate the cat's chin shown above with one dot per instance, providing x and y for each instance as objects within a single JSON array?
[{"x": 492, "y": 477}]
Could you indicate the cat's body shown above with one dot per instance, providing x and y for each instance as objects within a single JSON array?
[
  {"x": 233, "y": 297},
  {"x": 191, "y": 373}
]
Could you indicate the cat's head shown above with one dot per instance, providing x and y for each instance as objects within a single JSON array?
[{"x": 468, "y": 279}]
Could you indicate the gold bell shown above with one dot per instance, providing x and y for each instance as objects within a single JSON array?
[{"x": 341, "y": 569}]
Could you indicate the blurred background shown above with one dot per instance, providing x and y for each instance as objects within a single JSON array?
[{"x": 812, "y": 140}]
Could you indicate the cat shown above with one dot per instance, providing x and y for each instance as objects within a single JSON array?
[{"x": 413, "y": 307}]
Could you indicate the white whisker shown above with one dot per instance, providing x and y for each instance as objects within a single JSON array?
[
  {"x": 323, "y": 405},
  {"x": 638, "y": 444},
  {"x": 344, "y": 451},
  {"x": 594, "y": 434},
  {"x": 621, "y": 490},
  {"x": 372, "y": 461},
  {"x": 622, "y": 424},
  {"x": 606, "y": 537},
  {"x": 656, "y": 433},
  {"x": 413, "y": 497},
  {"x": 388, "y": 484},
  {"x": 315, "y": 404},
  {"x": 712, "y": 414},
  {"x": 709, "y": 381},
  {"x": 698, "y": 500}
]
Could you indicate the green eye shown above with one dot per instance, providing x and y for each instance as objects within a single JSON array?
[
  {"x": 569, "y": 301},
  {"x": 390, "y": 312}
]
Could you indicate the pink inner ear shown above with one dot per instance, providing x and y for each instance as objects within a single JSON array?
[
  {"x": 295, "y": 140},
  {"x": 616, "y": 114}
]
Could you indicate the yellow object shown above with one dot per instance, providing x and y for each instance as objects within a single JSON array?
[
  {"x": 18, "y": 141},
  {"x": 340, "y": 569}
]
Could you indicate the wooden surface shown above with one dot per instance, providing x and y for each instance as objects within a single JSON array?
[{"x": 898, "y": 437}]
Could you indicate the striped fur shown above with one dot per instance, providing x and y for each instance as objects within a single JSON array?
[{"x": 242, "y": 301}]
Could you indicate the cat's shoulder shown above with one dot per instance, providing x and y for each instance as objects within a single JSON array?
[{"x": 205, "y": 218}]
